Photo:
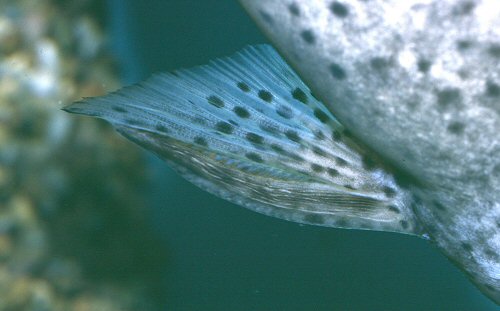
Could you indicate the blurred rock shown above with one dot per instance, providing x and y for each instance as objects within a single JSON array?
[{"x": 74, "y": 234}]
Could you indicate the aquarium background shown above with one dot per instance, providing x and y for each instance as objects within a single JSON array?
[{"x": 224, "y": 257}]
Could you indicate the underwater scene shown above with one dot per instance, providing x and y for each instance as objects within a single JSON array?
[{"x": 90, "y": 221}]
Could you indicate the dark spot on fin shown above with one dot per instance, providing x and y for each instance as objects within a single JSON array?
[
  {"x": 119, "y": 109},
  {"x": 224, "y": 127},
  {"x": 337, "y": 71},
  {"x": 254, "y": 138},
  {"x": 161, "y": 128},
  {"x": 215, "y": 101},
  {"x": 254, "y": 157},
  {"x": 265, "y": 96},
  {"x": 299, "y": 95},
  {"x": 241, "y": 112},
  {"x": 332, "y": 172},
  {"x": 293, "y": 136},
  {"x": 243, "y": 86},
  {"x": 322, "y": 116},
  {"x": 285, "y": 112},
  {"x": 200, "y": 141},
  {"x": 317, "y": 168},
  {"x": 389, "y": 192}
]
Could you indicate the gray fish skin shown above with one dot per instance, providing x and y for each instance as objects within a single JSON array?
[{"x": 419, "y": 83}]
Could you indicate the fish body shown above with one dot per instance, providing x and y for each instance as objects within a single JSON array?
[
  {"x": 419, "y": 83},
  {"x": 388, "y": 121}
]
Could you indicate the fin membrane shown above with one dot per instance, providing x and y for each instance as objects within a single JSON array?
[{"x": 247, "y": 129}]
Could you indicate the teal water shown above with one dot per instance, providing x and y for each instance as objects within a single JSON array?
[{"x": 223, "y": 257}]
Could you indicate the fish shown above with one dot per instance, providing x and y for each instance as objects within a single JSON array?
[{"x": 371, "y": 115}]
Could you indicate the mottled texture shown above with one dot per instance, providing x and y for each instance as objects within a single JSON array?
[{"x": 417, "y": 81}]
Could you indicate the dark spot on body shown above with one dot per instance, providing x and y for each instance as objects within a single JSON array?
[
  {"x": 314, "y": 219},
  {"x": 284, "y": 112},
  {"x": 254, "y": 157},
  {"x": 389, "y": 192},
  {"x": 215, "y": 101},
  {"x": 241, "y": 112},
  {"x": 340, "y": 162},
  {"x": 119, "y": 109},
  {"x": 491, "y": 254},
  {"x": 200, "y": 141},
  {"x": 338, "y": 9},
  {"x": 233, "y": 122},
  {"x": 492, "y": 89},
  {"x": 317, "y": 168},
  {"x": 490, "y": 288},
  {"x": 439, "y": 206},
  {"x": 265, "y": 96},
  {"x": 319, "y": 151},
  {"x": 449, "y": 97},
  {"x": 463, "y": 45},
  {"x": 393, "y": 209},
  {"x": 267, "y": 17},
  {"x": 379, "y": 63},
  {"x": 332, "y": 172},
  {"x": 293, "y": 136},
  {"x": 337, "y": 72},
  {"x": 243, "y": 86},
  {"x": 224, "y": 127},
  {"x": 308, "y": 36},
  {"x": 465, "y": 8},
  {"x": 404, "y": 224},
  {"x": 494, "y": 50},
  {"x": 456, "y": 127},
  {"x": 294, "y": 9},
  {"x": 321, "y": 115},
  {"x": 349, "y": 187},
  {"x": 423, "y": 65},
  {"x": 466, "y": 246},
  {"x": 299, "y": 95},
  {"x": 254, "y": 138}
]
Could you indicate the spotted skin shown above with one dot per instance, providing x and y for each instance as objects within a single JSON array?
[
  {"x": 247, "y": 129},
  {"x": 418, "y": 82}
]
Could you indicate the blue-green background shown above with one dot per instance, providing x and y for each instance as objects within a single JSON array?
[{"x": 224, "y": 257}]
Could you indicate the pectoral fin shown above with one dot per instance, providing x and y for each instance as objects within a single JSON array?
[{"x": 247, "y": 129}]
